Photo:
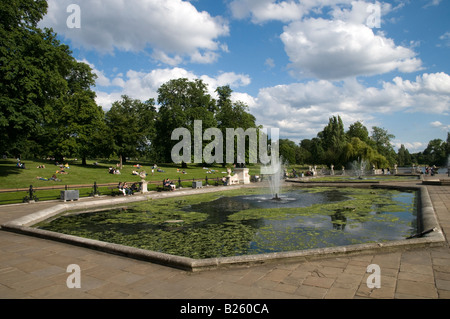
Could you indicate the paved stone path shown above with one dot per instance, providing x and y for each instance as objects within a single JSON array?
[{"x": 36, "y": 268}]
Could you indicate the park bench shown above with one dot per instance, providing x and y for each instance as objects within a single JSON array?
[
  {"x": 163, "y": 188},
  {"x": 135, "y": 187},
  {"x": 115, "y": 191}
]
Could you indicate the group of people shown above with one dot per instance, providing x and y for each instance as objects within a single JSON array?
[
  {"x": 114, "y": 171},
  {"x": 431, "y": 170},
  {"x": 123, "y": 187},
  {"x": 20, "y": 164}
]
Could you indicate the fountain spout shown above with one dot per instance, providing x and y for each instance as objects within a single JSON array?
[{"x": 276, "y": 197}]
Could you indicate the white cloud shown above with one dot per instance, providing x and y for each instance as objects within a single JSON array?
[
  {"x": 270, "y": 63},
  {"x": 261, "y": 11},
  {"x": 336, "y": 49},
  {"x": 432, "y": 3},
  {"x": 346, "y": 41},
  {"x": 144, "y": 85},
  {"x": 412, "y": 147},
  {"x": 303, "y": 109},
  {"x": 445, "y": 38},
  {"x": 172, "y": 28},
  {"x": 444, "y": 127},
  {"x": 265, "y": 10},
  {"x": 436, "y": 124}
]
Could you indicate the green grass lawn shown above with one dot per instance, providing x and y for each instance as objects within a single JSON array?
[{"x": 12, "y": 177}]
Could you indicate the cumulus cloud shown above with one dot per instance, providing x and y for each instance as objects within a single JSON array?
[
  {"x": 303, "y": 109},
  {"x": 265, "y": 10},
  {"x": 260, "y": 11},
  {"x": 337, "y": 49},
  {"x": 173, "y": 29},
  {"x": 438, "y": 124},
  {"x": 412, "y": 147},
  {"x": 346, "y": 41}
]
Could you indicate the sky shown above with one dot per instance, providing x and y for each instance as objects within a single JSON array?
[{"x": 295, "y": 63}]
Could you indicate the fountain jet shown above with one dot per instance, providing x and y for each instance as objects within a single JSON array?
[{"x": 274, "y": 170}]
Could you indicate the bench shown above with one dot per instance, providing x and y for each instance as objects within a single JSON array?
[
  {"x": 165, "y": 187},
  {"x": 115, "y": 191}
]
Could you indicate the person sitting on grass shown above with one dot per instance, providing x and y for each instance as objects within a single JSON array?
[{"x": 54, "y": 178}]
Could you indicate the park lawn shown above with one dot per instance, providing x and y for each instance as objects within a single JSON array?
[{"x": 12, "y": 177}]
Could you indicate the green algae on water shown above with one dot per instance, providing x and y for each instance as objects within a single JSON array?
[{"x": 214, "y": 225}]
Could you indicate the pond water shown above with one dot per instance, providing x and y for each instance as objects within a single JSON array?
[
  {"x": 366, "y": 178},
  {"x": 215, "y": 225}
]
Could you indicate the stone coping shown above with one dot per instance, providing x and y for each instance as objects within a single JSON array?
[{"x": 427, "y": 223}]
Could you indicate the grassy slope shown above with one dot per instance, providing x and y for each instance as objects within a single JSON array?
[{"x": 12, "y": 177}]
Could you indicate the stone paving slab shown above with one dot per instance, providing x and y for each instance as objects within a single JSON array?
[{"x": 36, "y": 268}]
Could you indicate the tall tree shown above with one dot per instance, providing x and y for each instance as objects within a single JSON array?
[
  {"x": 181, "y": 103},
  {"x": 234, "y": 115},
  {"x": 46, "y": 104},
  {"x": 358, "y": 130},
  {"x": 288, "y": 151},
  {"x": 131, "y": 126},
  {"x": 435, "y": 153},
  {"x": 403, "y": 156},
  {"x": 381, "y": 139},
  {"x": 333, "y": 140}
]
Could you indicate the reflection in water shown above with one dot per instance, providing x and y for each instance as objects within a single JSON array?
[{"x": 338, "y": 220}]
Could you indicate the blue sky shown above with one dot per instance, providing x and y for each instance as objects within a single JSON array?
[{"x": 295, "y": 63}]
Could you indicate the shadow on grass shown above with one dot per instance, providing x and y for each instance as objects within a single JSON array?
[{"x": 8, "y": 168}]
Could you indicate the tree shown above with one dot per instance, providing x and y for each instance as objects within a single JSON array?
[
  {"x": 233, "y": 115},
  {"x": 435, "y": 153},
  {"x": 131, "y": 125},
  {"x": 30, "y": 65},
  {"x": 317, "y": 151},
  {"x": 288, "y": 151},
  {"x": 382, "y": 144},
  {"x": 46, "y": 105},
  {"x": 358, "y": 130},
  {"x": 359, "y": 150},
  {"x": 447, "y": 149},
  {"x": 403, "y": 156},
  {"x": 77, "y": 128},
  {"x": 333, "y": 140},
  {"x": 303, "y": 155},
  {"x": 181, "y": 103}
]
